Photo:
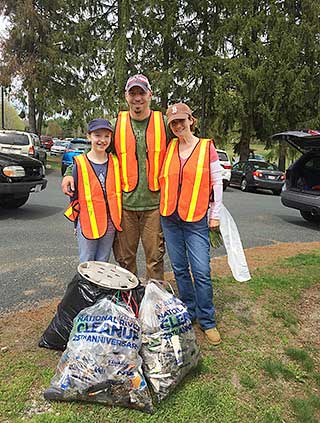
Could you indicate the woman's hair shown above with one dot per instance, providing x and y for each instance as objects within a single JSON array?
[{"x": 194, "y": 124}]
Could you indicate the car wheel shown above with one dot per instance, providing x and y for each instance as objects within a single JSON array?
[
  {"x": 276, "y": 192},
  {"x": 225, "y": 184},
  {"x": 13, "y": 202},
  {"x": 244, "y": 185},
  {"x": 314, "y": 218}
]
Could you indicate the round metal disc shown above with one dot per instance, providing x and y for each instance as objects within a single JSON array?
[{"x": 107, "y": 275}]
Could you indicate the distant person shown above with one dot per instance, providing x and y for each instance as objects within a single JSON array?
[
  {"x": 96, "y": 197},
  {"x": 140, "y": 139},
  {"x": 190, "y": 172}
]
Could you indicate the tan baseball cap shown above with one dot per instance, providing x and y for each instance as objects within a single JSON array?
[{"x": 178, "y": 111}]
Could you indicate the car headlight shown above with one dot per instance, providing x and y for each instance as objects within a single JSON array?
[{"x": 14, "y": 171}]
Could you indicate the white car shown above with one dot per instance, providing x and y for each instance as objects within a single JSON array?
[
  {"x": 22, "y": 142},
  {"x": 226, "y": 166},
  {"x": 59, "y": 147}
]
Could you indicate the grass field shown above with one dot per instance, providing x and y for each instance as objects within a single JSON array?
[
  {"x": 266, "y": 370},
  {"x": 54, "y": 162}
]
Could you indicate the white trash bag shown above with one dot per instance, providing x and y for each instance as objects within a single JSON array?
[
  {"x": 101, "y": 362},
  {"x": 233, "y": 245},
  {"x": 169, "y": 349}
]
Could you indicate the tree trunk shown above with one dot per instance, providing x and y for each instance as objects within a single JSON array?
[
  {"x": 121, "y": 46},
  {"x": 32, "y": 111},
  {"x": 204, "y": 95},
  {"x": 282, "y": 156},
  {"x": 244, "y": 147},
  {"x": 40, "y": 121}
]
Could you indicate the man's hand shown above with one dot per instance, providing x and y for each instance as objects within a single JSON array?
[
  {"x": 214, "y": 224},
  {"x": 67, "y": 185}
]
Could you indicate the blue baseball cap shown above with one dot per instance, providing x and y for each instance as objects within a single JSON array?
[{"x": 99, "y": 123}]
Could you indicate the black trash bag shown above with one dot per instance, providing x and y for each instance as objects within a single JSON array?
[{"x": 80, "y": 293}]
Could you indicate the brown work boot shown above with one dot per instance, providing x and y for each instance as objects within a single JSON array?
[{"x": 213, "y": 336}]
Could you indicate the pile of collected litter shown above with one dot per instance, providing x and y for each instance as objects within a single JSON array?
[{"x": 124, "y": 344}]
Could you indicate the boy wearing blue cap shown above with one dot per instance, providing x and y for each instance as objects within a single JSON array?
[{"x": 96, "y": 205}]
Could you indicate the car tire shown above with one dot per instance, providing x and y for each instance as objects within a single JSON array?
[
  {"x": 13, "y": 202},
  {"x": 225, "y": 184},
  {"x": 276, "y": 192},
  {"x": 314, "y": 218},
  {"x": 244, "y": 185}
]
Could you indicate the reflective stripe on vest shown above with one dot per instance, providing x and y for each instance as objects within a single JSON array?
[
  {"x": 193, "y": 198},
  {"x": 91, "y": 198},
  {"x": 125, "y": 145},
  {"x": 114, "y": 193},
  {"x": 72, "y": 211}
]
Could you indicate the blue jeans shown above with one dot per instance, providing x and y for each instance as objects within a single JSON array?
[
  {"x": 95, "y": 249},
  {"x": 188, "y": 247}
]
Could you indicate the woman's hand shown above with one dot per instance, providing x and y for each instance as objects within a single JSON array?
[{"x": 214, "y": 224}]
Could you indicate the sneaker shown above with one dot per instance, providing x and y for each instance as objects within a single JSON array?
[{"x": 213, "y": 336}]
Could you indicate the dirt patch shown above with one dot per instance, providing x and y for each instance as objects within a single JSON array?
[
  {"x": 264, "y": 256},
  {"x": 309, "y": 316},
  {"x": 20, "y": 331}
]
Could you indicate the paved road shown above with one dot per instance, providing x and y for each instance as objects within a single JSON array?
[{"x": 38, "y": 253}]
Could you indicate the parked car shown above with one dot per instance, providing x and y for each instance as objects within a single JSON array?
[
  {"x": 253, "y": 174},
  {"x": 59, "y": 147},
  {"x": 226, "y": 165},
  {"x": 74, "y": 148},
  {"x": 19, "y": 176},
  {"x": 252, "y": 155},
  {"x": 302, "y": 187},
  {"x": 20, "y": 142},
  {"x": 46, "y": 141}
]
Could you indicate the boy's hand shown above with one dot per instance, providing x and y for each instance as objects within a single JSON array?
[{"x": 67, "y": 185}]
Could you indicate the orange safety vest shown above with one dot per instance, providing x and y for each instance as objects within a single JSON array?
[
  {"x": 91, "y": 205},
  {"x": 125, "y": 145},
  {"x": 192, "y": 197}
]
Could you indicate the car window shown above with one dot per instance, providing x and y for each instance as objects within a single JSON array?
[
  {"x": 223, "y": 156},
  {"x": 238, "y": 166},
  {"x": 314, "y": 163},
  {"x": 264, "y": 165},
  {"x": 250, "y": 166},
  {"x": 15, "y": 139},
  {"x": 36, "y": 140}
]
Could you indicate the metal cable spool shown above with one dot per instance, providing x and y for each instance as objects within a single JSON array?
[{"x": 107, "y": 275}]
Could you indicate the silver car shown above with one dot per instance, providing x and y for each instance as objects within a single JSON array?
[{"x": 59, "y": 147}]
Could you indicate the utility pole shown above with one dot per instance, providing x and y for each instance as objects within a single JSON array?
[{"x": 2, "y": 107}]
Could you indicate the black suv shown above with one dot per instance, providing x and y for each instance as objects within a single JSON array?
[
  {"x": 302, "y": 187},
  {"x": 19, "y": 175}
]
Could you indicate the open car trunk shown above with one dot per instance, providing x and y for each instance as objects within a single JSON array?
[{"x": 304, "y": 174}]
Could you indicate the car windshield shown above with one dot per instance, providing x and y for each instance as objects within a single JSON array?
[
  {"x": 223, "y": 156},
  {"x": 78, "y": 146},
  {"x": 16, "y": 139},
  {"x": 61, "y": 143},
  {"x": 264, "y": 165}
]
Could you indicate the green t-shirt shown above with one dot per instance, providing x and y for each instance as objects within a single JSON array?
[{"x": 141, "y": 198}]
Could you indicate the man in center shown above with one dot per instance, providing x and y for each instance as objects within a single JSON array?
[{"x": 140, "y": 142}]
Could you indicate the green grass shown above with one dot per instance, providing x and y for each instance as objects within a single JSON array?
[
  {"x": 54, "y": 162},
  {"x": 263, "y": 371}
]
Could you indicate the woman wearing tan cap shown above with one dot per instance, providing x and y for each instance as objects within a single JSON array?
[{"x": 190, "y": 173}]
